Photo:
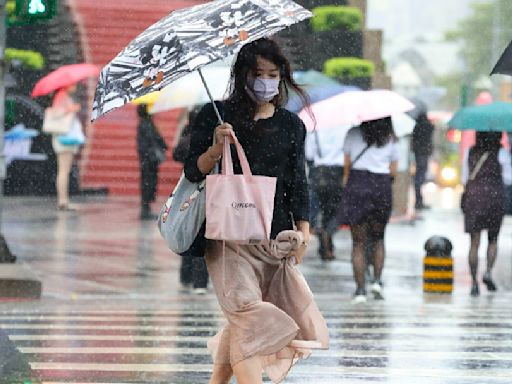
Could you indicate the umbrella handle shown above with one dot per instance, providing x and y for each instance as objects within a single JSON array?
[{"x": 219, "y": 117}]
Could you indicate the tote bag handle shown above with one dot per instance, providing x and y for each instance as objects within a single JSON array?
[{"x": 227, "y": 161}]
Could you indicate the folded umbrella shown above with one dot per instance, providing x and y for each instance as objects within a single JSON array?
[
  {"x": 64, "y": 77},
  {"x": 494, "y": 117},
  {"x": 185, "y": 40},
  {"x": 504, "y": 64},
  {"x": 355, "y": 107}
]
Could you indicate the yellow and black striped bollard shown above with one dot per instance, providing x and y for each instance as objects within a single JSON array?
[{"x": 438, "y": 266}]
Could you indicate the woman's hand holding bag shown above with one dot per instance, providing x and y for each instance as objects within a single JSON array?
[{"x": 239, "y": 208}]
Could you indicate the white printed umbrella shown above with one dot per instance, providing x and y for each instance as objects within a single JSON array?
[{"x": 186, "y": 40}]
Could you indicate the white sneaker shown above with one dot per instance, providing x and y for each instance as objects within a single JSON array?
[
  {"x": 359, "y": 299},
  {"x": 200, "y": 291},
  {"x": 376, "y": 289}
]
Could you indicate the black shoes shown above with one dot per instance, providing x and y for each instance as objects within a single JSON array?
[
  {"x": 475, "y": 290},
  {"x": 488, "y": 282}
]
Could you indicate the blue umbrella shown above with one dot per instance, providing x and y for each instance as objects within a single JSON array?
[
  {"x": 318, "y": 87},
  {"x": 493, "y": 117}
]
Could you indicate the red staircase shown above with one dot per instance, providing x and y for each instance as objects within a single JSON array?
[{"x": 110, "y": 158}]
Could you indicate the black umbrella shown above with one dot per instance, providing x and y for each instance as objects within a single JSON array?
[
  {"x": 504, "y": 64},
  {"x": 184, "y": 41}
]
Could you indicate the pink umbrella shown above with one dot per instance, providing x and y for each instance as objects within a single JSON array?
[
  {"x": 354, "y": 107},
  {"x": 63, "y": 77}
]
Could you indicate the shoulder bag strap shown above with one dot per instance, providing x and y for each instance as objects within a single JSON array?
[
  {"x": 360, "y": 155},
  {"x": 478, "y": 166}
]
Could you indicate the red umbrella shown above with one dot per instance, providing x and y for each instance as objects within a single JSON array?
[{"x": 63, "y": 77}]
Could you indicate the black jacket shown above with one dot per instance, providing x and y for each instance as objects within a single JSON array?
[{"x": 149, "y": 139}]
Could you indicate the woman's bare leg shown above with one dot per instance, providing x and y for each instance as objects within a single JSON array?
[
  {"x": 64, "y": 163},
  {"x": 249, "y": 371},
  {"x": 221, "y": 374}
]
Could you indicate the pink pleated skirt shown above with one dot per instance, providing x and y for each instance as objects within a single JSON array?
[{"x": 268, "y": 305}]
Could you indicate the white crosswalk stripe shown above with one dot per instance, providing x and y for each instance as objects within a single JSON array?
[{"x": 463, "y": 345}]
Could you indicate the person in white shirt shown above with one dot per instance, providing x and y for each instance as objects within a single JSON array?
[
  {"x": 325, "y": 147},
  {"x": 371, "y": 157}
]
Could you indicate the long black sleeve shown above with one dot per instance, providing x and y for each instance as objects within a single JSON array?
[{"x": 200, "y": 140}]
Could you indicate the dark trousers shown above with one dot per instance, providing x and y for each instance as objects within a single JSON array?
[
  {"x": 327, "y": 185},
  {"x": 148, "y": 181},
  {"x": 420, "y": 177},
  {"x": 193, "y": 267}
]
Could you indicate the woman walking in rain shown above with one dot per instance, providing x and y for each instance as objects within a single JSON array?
[
  {"x": 272, "y": 317},
  {"x": 63, "y": 101},
  {"x": 371, "y": 157},
  {"x": 483, "y": 203}
]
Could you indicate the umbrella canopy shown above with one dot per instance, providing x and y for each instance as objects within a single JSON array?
[
  {"x": 403, "y": 124},
  {"x": 494, "y": 117},
  {"x": 188, "y": 90},
  {"x": 354, "y": 107},
  {"x": 185, "y": 40},
  {"x": 317, "y": 86},
  {"x": 64, "y": 77},
  {"x": 504, "y": 64},
  {"x": 419, "y": 108},
  {"x": 148, "y": 99}
]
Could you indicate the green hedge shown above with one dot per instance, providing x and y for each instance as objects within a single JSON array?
[
  {"x": 348, "y": 67},
  {"x": 331, "y": 17},
  {"x": 30, "y": 59}
]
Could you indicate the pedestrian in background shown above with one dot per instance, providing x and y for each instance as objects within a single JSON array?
[
  {"x": 270, "y": 310},
  {"x": 326, "y": 176},
  {"x": 314, "y": 204},
  {"x": 151, "y": 148},
  {"x": 483, "y": 202},
  {"x": 63, "y": 101},
  {"x": 193, "y": 272},
  {"x": 371, "y": 157},
  {"x": 422, "y": 148}
]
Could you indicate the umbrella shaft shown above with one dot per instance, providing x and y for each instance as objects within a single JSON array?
[{"x": 219, "y": 117}]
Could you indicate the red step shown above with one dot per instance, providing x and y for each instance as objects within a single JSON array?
[{"x": 110, "y": 159}]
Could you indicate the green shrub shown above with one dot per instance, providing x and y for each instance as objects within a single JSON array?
[
  {"x": 348, "y": 67},
  {"x": 331, "y": 17},
  {"x": 30, "y": 59}
]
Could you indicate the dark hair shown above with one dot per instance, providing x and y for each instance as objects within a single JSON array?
[
  {"x": 378, "y": 132},
  {"x": 488, "y": 141},
  {"x": 142, "y": 110},
  {"x": 241, "y": 106}
]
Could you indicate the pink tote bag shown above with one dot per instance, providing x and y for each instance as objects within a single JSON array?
[{"x": 239, "y": 208}]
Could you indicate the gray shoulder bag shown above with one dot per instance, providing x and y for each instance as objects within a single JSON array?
[{"x": 184, "y": 213}]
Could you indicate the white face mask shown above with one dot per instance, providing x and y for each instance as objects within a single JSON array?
[{"x": 262, "y": 90}]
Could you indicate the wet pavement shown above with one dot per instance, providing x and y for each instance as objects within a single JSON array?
[{"x": 112, "y": 310}]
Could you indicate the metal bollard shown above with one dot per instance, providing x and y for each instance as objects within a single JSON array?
[{"x": 438, "y": 266}]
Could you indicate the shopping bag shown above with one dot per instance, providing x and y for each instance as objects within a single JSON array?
[
  {"x": 57, "y": 121},
  {"x": 239, "y": 208}
]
